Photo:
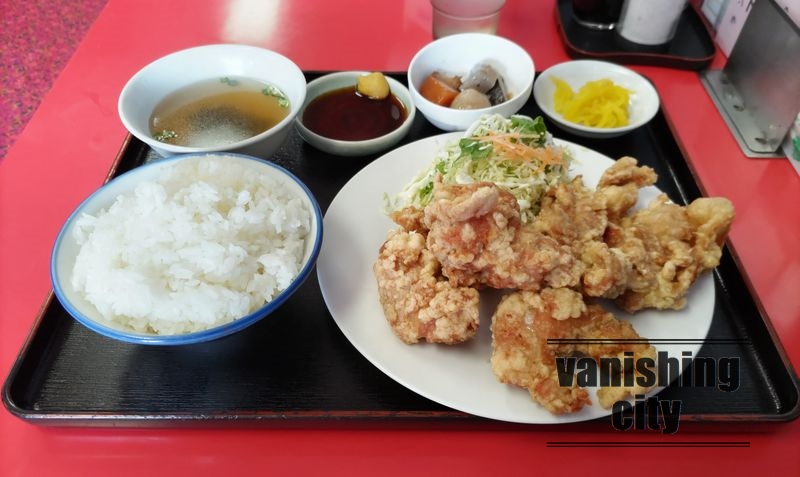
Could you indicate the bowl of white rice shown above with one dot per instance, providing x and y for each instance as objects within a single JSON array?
[{"x": 186, "y": 249}]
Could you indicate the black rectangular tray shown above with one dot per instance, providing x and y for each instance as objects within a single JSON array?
[
  {"x": 692, "y": 48},
  {"x": 295, "y": 366}
]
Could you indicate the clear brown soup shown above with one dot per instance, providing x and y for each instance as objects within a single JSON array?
[
  {"x": 218, "y": 111},
  {"x": 345, "y": 115}
]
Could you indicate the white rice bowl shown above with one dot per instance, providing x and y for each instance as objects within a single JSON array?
[{"x": 194, "y": 244}]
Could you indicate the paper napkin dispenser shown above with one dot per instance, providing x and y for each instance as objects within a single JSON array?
[{"x": 758, "y": 90}]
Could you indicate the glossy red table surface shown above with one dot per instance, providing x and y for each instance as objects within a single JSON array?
[{"x": 66, "y": 150}]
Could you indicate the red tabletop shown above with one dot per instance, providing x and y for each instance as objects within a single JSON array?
[{"x": 67, "y": 148}]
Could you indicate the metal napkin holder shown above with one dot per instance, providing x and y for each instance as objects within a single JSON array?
[{"x": 758, "y": 90}]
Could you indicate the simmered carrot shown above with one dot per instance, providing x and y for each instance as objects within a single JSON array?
[{"x": 437, "y": 91}]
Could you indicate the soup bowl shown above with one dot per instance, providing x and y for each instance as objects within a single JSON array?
[{"x": 225, "y": 64}]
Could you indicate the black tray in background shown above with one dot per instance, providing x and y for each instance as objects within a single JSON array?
[
  {"x": 692, "y": 48},
  {"x": 295, "y": 366}
]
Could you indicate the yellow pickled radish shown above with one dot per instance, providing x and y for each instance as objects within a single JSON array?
[
  {"x": 599, "y": 103},
  {"x": 563, "y": 94}
]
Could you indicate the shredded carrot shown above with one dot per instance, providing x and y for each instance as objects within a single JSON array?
[{"x": 510, "y": 146}]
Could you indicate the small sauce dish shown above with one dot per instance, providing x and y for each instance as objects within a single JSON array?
[{"x": 338, "y": 120}]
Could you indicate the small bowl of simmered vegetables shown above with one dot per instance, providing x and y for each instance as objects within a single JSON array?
[
  {"x": 457, "y": 79},
  {"x": 595, "y": 99}
]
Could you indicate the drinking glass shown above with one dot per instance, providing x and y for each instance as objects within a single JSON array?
[{"x": 465, "y": 16}]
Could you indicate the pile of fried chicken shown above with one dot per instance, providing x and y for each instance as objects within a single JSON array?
[{"x": 583, "y": 244}]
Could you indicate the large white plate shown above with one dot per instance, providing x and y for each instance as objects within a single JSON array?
[{"x": 456, "y": 376}]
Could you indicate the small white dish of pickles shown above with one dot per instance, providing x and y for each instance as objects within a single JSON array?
[{"x": 595, "y": 99}]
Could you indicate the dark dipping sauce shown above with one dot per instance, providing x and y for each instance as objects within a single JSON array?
[{"x": 345, "y": 115}]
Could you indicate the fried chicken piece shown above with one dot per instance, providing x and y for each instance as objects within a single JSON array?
[
  {"x": 620, "y": 185},
  {"x": 601, "y": 324},
  {"x": 648, "y": 259},
  {"x": 475, "y": 232},
  {"x": 418, "y": 302},
  {"x": 626, "y": 170},
  {"x": 673, "y": 245},
  {"x": 711, "y": 220},
  {"x": 410, "y": 218},
  {"x": 641, "y": 269},
  {"x": 607, "y": 271},
  {"x": 577, "y": 216},
  {"x": 572, "y": 213},
  {"x": 521, "y": 355}
]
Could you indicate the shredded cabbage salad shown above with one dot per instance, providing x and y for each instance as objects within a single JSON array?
[{"x": 516, "y": 153}]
